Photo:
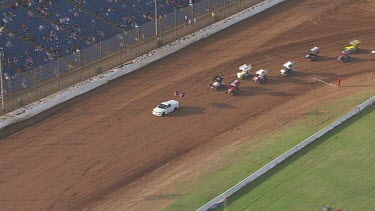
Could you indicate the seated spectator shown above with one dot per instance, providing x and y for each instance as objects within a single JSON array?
[
  {"x": 29, "y": 15},
  {"x": 14, "y": 5}
]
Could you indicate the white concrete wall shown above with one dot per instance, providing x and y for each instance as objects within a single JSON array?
[
  {"x": 85, "y": 86},
  {"x": 286, "y": 155}
]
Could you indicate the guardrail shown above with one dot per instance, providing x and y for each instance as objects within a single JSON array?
[{"x": 281, "y": 158}]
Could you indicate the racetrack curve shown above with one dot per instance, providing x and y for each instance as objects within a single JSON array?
[{"x": 105, "y": 150}]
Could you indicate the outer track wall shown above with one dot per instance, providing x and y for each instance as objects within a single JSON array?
[{"x": 85, "y": 86}]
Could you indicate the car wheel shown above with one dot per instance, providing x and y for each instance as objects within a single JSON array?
[
  {"x": 163, "y": 114},
  {"x": 175, "y": 109}
]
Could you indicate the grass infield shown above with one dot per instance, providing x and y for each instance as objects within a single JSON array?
[
  {"x": 337, "y": 170},
  {"x": 252, "y": 155}
]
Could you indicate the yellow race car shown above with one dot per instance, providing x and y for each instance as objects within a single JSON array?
[{"x": 353, "y": 46}]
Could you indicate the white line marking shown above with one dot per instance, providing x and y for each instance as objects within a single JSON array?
[{"x": 324, "y": 82}]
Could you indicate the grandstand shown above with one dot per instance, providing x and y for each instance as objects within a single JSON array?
[
  {"x": 35, "y": 33},
  {"x": 104, "y": 150}
]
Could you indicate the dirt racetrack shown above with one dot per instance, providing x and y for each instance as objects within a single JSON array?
[{"x": 106, "y": 151}]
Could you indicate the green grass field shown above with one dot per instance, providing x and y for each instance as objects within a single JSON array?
[
  {"x": 250, "y": 156},
  {"x": 337, "y": 170}
]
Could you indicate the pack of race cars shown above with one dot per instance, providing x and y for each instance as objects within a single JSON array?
[
  {"x": 260, "y": 76},
  {"x": 243, "y": 73},
  {"x": 288, "y": 69}
]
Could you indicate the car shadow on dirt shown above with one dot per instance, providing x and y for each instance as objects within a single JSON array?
[
  {"x": 187, "y": 111},
  {"x": 363, "y": 51},
  {"x": 250, "y": 91},
  {"x": 325, "y": 58},
  {"x": 305, "y": 76},
  {"x": 296, "y": 78},
  {"x": 357, "y": 59}
]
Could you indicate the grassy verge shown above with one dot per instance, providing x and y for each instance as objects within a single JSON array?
[
  {"x": 254, "y": 154},
  {"x": 337, "y": 170}
]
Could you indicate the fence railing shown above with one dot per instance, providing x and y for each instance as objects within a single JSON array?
[
  {"x": 222, "y": 197},
  {"x": 25, "y": 88}
]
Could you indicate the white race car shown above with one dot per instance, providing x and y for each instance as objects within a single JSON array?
[
  {"x": 288, "y": 68},
  {"x": 244, "y": 71},
  {"x": 166, "y": 107},
  {"x": 260, "y": 76}
]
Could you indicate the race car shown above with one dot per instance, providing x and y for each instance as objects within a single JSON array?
[
  {"x": 353, "y": 46},
  {"x": 288, "y": 68},
  {"x": 260, "y": 76},
  {"x": 345, "y": 56},
  {"x": 165, "y": 108},
  {"x": 244, "y": 71},
  {"x": 234, "y": 88},
  {"x": 217, "y": 82},
  {"x": 313, "y": 55}
]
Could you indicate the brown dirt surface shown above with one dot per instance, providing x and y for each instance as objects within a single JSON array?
[{"x": 106, "y": 151}]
